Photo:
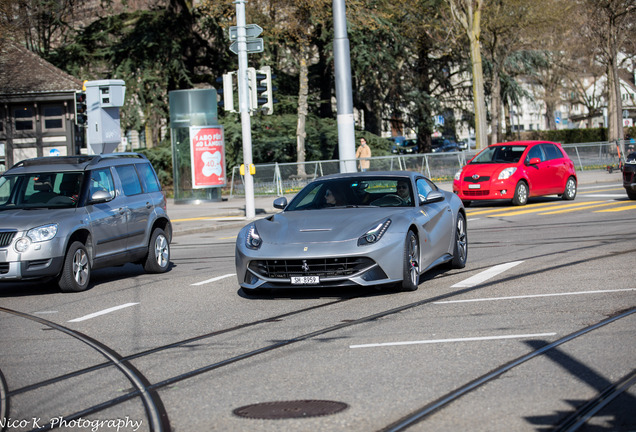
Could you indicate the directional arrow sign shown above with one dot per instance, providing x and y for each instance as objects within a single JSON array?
[
  {"x": 251, "y": 31},
  {"x": 253, "y": 46}
]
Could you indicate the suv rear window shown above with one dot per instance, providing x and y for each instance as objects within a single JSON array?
[
  {"x": 129, "y": 179},
  {"x": 148, "y": 178}
]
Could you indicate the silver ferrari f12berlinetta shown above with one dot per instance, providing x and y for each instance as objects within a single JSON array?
[{"x": 354, "y": 229}]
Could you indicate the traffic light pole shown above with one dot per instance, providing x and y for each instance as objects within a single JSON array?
[
  {"x": 244, "y": 108},
  {"x": 344, "y": 98}
]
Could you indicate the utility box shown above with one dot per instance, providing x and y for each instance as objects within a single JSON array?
[{"x": 103, "y": 99}]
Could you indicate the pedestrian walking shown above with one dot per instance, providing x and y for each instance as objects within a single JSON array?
[{"x": 363, "y": 154}]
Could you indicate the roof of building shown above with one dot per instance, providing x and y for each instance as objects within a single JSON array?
[{"x": 22, "y": 71}]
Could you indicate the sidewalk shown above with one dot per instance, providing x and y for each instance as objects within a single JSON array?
[{"x": 230, "y": 213}]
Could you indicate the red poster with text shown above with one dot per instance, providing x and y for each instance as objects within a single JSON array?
[{"x": 207, "y": 152}]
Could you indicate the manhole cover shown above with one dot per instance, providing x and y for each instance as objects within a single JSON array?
[{"x": 290, "y": 409}]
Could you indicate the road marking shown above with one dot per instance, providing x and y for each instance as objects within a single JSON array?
[
  {"x": 586, "y": 207},
  {"x": 103, "y": 312},
  {"x": 536, "y": 210},
  {"x": 45, "y": 312},
  {"x": 534, "y": 296},
  {"x": 214, "y": 279},
  {"x": 228, "y": 238},
  {"x": 607, "y": 195},
  {"x": 469, "y": 339},
  {"x": 485, "y": 275},
  {"x": 617, "y": 209},
  {"x": 204, "y": 218},
  {"x": 473, "y": 212},
  {"x": 602, "y": 190}
]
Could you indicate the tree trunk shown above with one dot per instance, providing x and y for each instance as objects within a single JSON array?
[
  {"x": 495, "y": 106},
  {"x": 468, "y": 14},
  {"x": 303, "y": 109},
  {"x": 614, "y": 103}
]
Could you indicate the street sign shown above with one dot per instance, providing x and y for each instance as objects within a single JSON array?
[
  {"x": 253, "y": 46},
  {"x": 251, "y": 31}
]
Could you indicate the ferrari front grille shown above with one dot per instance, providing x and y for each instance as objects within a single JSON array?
[
  {"x": 6, "y": 237},
  {"x": 324, "y": 267}
]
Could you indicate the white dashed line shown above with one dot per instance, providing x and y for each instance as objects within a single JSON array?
[
  {"x": 103, "y": 312},
  {"x": 213, "y": 279},
  {"x": 485, "y": 275},
  {"x": 469, "y": 339}
]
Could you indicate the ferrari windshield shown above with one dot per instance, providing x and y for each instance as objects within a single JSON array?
[
  {"x": 38, "y": 190},
  {"x": 354, "y": 192},
  {"x": 500, "y": 154}
]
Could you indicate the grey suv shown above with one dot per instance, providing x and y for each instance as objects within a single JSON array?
[{"x": 61, "y": 217}]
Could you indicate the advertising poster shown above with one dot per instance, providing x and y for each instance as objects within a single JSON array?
[{"x": 207, "y": 152}]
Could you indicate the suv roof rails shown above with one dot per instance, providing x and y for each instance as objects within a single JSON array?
[
  {"x": 121, "y": 155},
  {"x": 76, "y": 159}
]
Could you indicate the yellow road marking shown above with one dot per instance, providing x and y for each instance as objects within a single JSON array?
[
  {"x": 580, "y": 208},
  {"x": 600, "y": 190},
  {"x": 630, "y": 207},
  {"x": 536, "y": 210},
  {"x": 479, "y": 212},
  {"x": 204, "y": 218}
]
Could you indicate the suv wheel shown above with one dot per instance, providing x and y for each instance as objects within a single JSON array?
[
  {"x": 76, "y": 271},
  {"x": 158, "y": 257}
]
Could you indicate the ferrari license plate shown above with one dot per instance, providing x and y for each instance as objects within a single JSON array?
[
  {"x": 474, "y": 186},
  {"x": 305, "y": 280}
]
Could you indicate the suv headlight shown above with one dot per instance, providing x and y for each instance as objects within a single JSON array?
[
  {"x": 506, "y": 173},
  {"x": 253, "y": 240},
  {"x": 374, "y": 234},
  {"x": 42, "y": 233}
]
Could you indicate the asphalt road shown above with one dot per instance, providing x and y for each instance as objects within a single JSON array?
[{"x": 538, "y": 323}]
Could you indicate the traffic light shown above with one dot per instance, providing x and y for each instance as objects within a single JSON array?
[
  {"x": 81, "y": 110},
  {"x": 261, "y": 91},
  {"x": 227, "y": 92},
  {"x": 265, "y": 97}
]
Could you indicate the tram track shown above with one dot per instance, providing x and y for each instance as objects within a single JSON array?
[
  {"x": 158, "y": 420},
  {"x": 578, "y": 417},
  {"x": 153, "y": 388}
]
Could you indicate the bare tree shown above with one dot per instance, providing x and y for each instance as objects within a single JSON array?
[{"x": 610, "y": 24}]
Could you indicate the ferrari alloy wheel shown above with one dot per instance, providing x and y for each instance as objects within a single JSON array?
[
  {"x": 460, "y": 253},
  {"x": 411, "y": 273},
  {"x": 570, "y": 190},
  {"x": 521, "y": 194}
]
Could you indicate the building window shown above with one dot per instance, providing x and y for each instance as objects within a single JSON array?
[
  {"x": 24, "y": 118},
  {"x": 53, "y": 117},
  {"x": 1, "y": 124}
]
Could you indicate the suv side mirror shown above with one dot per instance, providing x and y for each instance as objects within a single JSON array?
[{"x": 100, "y": 196}]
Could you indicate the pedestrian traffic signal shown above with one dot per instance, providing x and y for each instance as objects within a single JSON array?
[{"x": 81, "y": 110}]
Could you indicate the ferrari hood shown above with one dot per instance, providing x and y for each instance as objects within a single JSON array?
[{"x": 317, "y": 226}]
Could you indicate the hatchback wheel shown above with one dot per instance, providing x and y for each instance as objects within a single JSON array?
[
  {"x": 570, "y": 190},
  {"x": 158, "y": 257},
  {"x": 460, "y": 252},
  {"x": 76, "y": 270},
  {"x": 411, "y": 271},
  {"x": 521, "y": 194}
]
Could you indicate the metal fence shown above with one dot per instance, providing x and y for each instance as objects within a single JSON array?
[{"x": 288, "y": 178}]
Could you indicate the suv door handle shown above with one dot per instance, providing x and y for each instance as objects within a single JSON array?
[{"x": 148, "y": 204}]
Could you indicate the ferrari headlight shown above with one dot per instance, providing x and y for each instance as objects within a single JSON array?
[
  {"x": 458, "y": 175},
  {"x": 253, "y": 240},
  {"x": 374, "y": 234},
  {"x": 506, "y": 173},
  {"x": 42, "y": 233}
]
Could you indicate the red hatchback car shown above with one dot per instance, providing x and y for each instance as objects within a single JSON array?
[{"x": 516, "y": 171}]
